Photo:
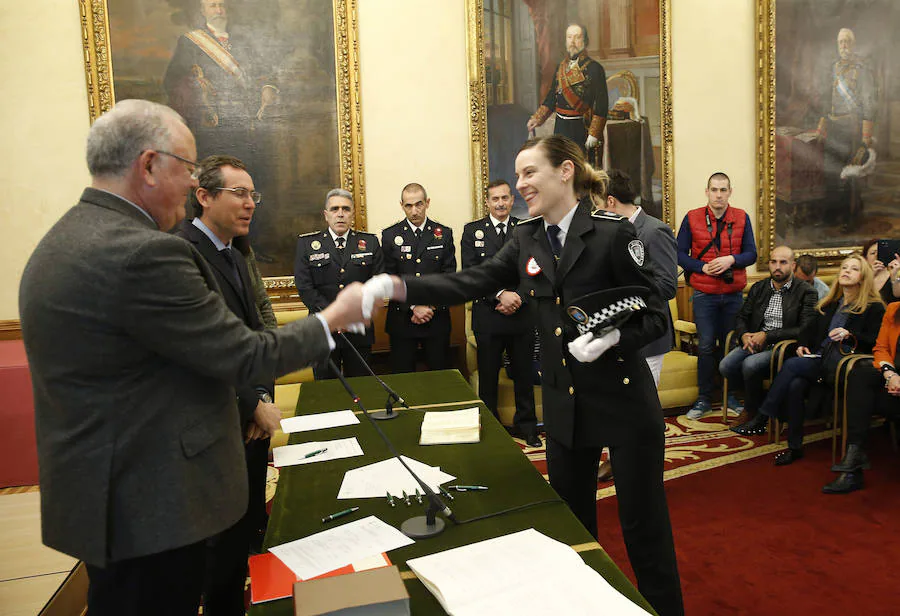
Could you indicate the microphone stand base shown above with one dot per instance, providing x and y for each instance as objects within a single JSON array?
[
  {"x": 419, "y": 528},
  {"x": 384, "y": 415}
]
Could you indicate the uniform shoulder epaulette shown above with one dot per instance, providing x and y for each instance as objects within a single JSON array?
[
  {"x": 604, "y": 215},
  {"x": 529, "y": 220},
  {"x": 308, "y": 234}
]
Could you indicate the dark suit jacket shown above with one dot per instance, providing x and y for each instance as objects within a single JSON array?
[
  {"x": 479, "y": 243},
  {"x": 132, "y": 353},
  {"x": 321, "y": 270},
  {"x": 662, "y": 258},
  {"x": 612, "y": 400},
  {"x": 434, "y": 253},
  {"x": 240, "y": 300}
]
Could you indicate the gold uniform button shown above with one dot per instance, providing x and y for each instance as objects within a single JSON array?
[
  {"x": 340, "y": 286},
  {"x": 571, "y": 391},
  {"x": 626, "y": 381},
  {"x": 558, "y": 331},
  {"x": 418, "y": 274},
  {"x": 342, "y": 270},
  {"x": 418, "y": 260},
  {"x": 557, "y": 301},
  {"x": 564, "y": 361},
  {"x": 532, "y": 292}
]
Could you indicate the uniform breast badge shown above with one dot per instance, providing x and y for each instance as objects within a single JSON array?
[
  {"x": 479, "y": 234},
  {"x": 316, "y": 244},
  {"x": 532, "y": 268}
]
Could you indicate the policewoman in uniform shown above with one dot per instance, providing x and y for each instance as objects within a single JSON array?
[
  {"x": 416, "y": 246},
  {"x": 596, "y": 392},
  {"x": 326, "y": 262}
]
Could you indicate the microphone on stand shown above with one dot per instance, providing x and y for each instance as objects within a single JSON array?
[
  {"x": 393, "y": 396},
  {"x": 419, "y": 527}
]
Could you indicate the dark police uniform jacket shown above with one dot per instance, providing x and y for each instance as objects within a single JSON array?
[
  {"x": 613, "y": 400},
  {"x": 434, "y": 253},
  {"x": 321, "y": 270},
  {"x": 479, "y": 243}
]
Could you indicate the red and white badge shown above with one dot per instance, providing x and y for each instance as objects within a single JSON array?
[
  {"x": 532, "y": 268},
  {"x": 438, "y": 233},
  {"x": 361, "y": 244}
]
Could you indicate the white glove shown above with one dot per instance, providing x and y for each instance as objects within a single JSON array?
[
  {"x": 357, "y": 328},
  {"x": 378, "y": 288},
  {"x": 591, "y": 142},
  {"x": 586, "y": 348}
]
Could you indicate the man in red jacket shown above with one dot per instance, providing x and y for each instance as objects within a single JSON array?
[{"x": 715, "y": 246}]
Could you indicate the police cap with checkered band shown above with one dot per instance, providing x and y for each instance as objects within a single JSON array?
[{"x": 602, "y": 311}]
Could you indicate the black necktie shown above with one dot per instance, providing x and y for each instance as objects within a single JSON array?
[
  {"x": 501, "y": 231},
  {"x": 340, "y": 243},
  {"x": 418, "y": 234},
  {"x": 229, "y": 257},
  {"x": 553, "y": 236}
]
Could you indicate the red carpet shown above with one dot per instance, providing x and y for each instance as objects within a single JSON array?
[{"x": 757, "y": 539}]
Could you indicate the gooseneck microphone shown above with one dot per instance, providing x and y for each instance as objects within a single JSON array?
[
  {"x": 393, "y": 396},
  {"x": 419, "y": 527}
]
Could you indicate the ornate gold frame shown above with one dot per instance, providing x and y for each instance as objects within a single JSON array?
[
  {"x": 101, "y": 95},
  {"x": 478, "y": 107},
  {"x": 765, "y": 72}
]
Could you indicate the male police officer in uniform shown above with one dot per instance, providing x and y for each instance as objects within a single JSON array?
[
  {"x": 416, "y": 246},
  {"x": 501, "y": 320},
  {"x": 329, "y": 260}
]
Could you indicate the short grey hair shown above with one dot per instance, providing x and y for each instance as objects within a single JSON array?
[
  {"x": 338, "y": 192},
  {"x": 118, "y": 137}
]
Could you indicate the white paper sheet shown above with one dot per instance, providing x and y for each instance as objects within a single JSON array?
[
  {"x": 339, "y": 546},
  {"x": 374, "y": 480},
  {"x": 319, "y": 421},
  {"x": 491, "y": 578},
  {"x": 289, "y": 455}
]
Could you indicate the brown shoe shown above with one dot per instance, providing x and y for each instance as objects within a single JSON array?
[{"x": 605, "y": 473}]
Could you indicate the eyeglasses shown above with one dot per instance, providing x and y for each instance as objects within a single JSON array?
[
  {"x": 243, "y": 193},
  {"x": 194, "y": 167}
]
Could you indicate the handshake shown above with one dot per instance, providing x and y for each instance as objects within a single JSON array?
[{"x": 357, "y": 303}]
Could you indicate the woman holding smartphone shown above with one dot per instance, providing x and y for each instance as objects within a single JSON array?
[{"x": 849, "y": 318}]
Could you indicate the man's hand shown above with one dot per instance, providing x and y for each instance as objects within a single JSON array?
[
  {"x": 718, "y": 265},
  {"x": 531, "y": 125},
  {"x": 754, "y": 341},
  {"x": 586, "y": 348},
  {"x": 379, "y": 288},
  {"x": 268, "y": 96},
  {"x": 591, "y": 143},
  {"x": 346, "y": 308},
  {"x": 893, "y": 385},
  {"x": 422, "y": 314},
  {"x": 254, "y": 433},
  {"x": 510, "y": 302},
  {"x": 267, "y": 417}
]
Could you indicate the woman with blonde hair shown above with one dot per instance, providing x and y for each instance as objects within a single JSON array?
[{"x": 849, "y": 318}]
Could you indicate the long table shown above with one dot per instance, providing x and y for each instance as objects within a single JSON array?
[{"x": 307, "y": 493}]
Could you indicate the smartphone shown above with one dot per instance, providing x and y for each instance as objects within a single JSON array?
[{"x": 887, "y": 249}]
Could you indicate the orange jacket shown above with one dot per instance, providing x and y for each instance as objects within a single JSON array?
[{"x": 886, "y": 344}]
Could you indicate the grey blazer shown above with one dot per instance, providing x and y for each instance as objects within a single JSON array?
[
  {"x": 662, "y": 257},
  {"x": 133, "y": 354}
]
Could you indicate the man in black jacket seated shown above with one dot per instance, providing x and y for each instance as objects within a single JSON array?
[{"x": 775, "y": 309}]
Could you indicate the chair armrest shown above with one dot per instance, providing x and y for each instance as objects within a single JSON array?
[
  {"x": 779, "y": 352},
  {"x": 685, "y": 327}
]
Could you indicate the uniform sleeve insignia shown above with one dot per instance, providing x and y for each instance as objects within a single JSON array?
[
  {"x": 479, "y": 234},
  {"x": 532, "y": 268},
  {"x": 398, "y": 240},
  {"x": 316, "y": 244},
  {"x": 636, "y": 250}
]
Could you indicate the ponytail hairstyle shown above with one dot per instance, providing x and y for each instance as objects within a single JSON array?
[{"x": 588, "y": 182}]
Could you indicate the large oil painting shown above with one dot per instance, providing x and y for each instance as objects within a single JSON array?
[
  {"x": 268, "y": 81},
  {"x": 597, "y": 71},
  {"x": 830, "y": 124}
]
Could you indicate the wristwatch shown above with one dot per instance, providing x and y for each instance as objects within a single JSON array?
[
  {"x": 265, "y": 397},
  {"x": 888, "y": 371}
]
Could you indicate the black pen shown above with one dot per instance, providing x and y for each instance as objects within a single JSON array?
[{"x": 339, "y": 514}]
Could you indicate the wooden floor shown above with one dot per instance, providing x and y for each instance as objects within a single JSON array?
[{"x": 29, "y": 571}]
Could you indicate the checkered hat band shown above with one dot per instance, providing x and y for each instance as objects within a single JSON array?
[{"x": 606, "y": 315}]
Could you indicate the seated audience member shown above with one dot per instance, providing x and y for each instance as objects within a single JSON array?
[
  {"x": 887, "y": 282},
  {"x": 775, "y": 309},
  {"x": 848, "y": 319},
  {"x": 806, "y": 269},
  {"x": 871, "y": 389}
]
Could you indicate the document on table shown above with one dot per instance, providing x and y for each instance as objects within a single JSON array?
[
  {"x": 451, "y": 427},
  {"x": 491, "y": 577},
  {"x": 289, "y": 455},
  {"x": 319, "y": 421},
  {"x": 339, "y": 546},
  {"x": 374, "y": 480}
]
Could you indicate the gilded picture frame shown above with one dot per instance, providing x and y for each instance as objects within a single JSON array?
[
  {"x": 346, "y": 167},
  {"x": 809, "y": 197},
  {"x": 479, "y": 103}
]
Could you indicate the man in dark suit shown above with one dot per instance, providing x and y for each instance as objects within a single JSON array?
[
  {"x": 501, "y": 320},
  {"x": 133, "y": 354},
  {"x": 416, "y": 246},
  {"x": 223, "y": 206},
  {"x": 329, "y": 260}
]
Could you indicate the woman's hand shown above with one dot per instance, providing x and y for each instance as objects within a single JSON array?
[
  {"x": 838, "y": 334},
  {"x": 893, "y": 384}
]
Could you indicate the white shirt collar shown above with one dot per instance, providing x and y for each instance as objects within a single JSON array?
[
  {"x": 496, "y": 222},
  {"x": 208, "y": 233},
  {"x": 634, "y": 216},
  {"x": 565, "y": 222},
  {"x": 414, "y": 227},
  {"x": 334, "y": 236}
]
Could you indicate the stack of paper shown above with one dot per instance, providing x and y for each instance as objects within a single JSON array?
[
  {"x": 375, "y": 480},
  {"x": 316, "y": 451},
  {"x": 492, "y": 577},
  {"x": 449, "y": 427},
  {"x": 318, "y": 421}
]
